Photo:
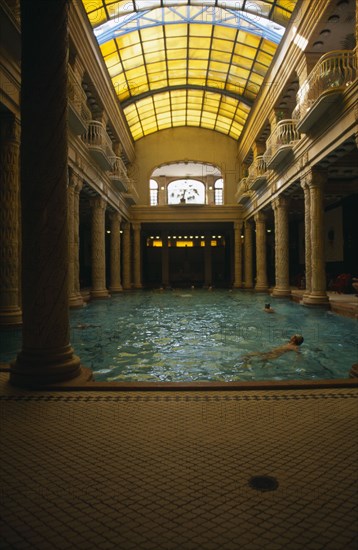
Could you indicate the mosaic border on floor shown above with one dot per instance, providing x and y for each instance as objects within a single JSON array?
[{"x": 173, "y": 398}]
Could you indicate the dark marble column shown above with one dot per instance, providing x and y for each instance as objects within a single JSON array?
[
  {"x": 238, "y": 255},
  {"x": 10, "y": 312},
  {"x": 248, "y": 244},
  {"x": 46, "y": 357},
  {"x": 116, "y": 285}
]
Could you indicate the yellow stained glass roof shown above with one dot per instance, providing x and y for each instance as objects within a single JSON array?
[{"x": 188, "y": 62}]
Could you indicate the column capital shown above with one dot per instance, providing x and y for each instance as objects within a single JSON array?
[
  {"x": 315, "y": 178},
  {"x": 98, "y": 202},
  {"x": 260, "y": 217},
  {"x": 280, "y": 202},
  {"x": 115, "y": 216},
  {"x": 136, "y": 226},
  {"x": 238, "y": 226}
]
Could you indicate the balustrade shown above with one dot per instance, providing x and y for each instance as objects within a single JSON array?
[
  {"x": 99, "y": 144},
  {"x": 79, "y": 113},
  {"x": 331, "y": 75},
  {"x": 280, "y": 142},
  {"x": 119, "y": 175}
]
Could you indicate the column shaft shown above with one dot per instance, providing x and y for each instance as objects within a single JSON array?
[
  {"x": 116, "y": 285},
  {"x": 282, "y": 273},
  {"x": 165, "y": 261},
  {"x": 127, "y": 256},
  {"x": 10, "y": 312},
  {"x": 99, "y": 289},
  {"x": 248, "y": 255},
  {"x": 74, "y": 185},
  {"x": 207, "y": 262},
  {"x": 238, "y": 256},
  {"x": 46, "y": 356},
  {"x": 137, "y": 253},
  {"x": 318, "y": 294},
  {"x": 261, "y": 268},
  {"x": 308, "y": 247}
]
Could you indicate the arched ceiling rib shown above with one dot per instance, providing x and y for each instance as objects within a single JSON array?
[{"x": 188, "y": 62}]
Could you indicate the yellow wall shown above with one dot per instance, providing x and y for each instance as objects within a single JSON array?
[{"x": 180, "y": 144}]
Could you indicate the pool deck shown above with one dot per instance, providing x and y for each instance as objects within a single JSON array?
[{"x": 174, "y": 470}]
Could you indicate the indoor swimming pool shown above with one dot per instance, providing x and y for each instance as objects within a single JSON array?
[{"x": 191, "y": 335}]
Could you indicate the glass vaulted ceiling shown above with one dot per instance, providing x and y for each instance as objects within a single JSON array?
[{"x": 188, "y": 62}]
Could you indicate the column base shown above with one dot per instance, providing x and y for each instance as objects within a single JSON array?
[
  {"x": 33, "y": 369},
  {"x": 10, "y": 317},
  {"x": 115, "y": 289},
  {"x": 137, "y": 286},
  {"x": 278, "y": 292},
  {"x": 261, "y": 288},
  {"x": 76, "y": 301},
  {"x": 353, "y": 373},
  {"x": 100, "y": 294},
  {"x": 315, "y": 299}
]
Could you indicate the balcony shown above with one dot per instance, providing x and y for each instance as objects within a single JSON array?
[
  {"x": 79, "y": 114},
  {"x": 99, "y": 144},
  {"x": 280, "y": 143},
  {"x": 118, "y": 175},
  {"x": 131, "y": 195},
  {"x": 243, "y": 193},
  {"x": 257, "y": 173},
  {"x": 333, "y": 73}
]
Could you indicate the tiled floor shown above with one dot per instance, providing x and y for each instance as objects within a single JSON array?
[{"x": 171, "y": 470}]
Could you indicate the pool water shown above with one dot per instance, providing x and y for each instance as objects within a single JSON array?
[{"x": 197, "y": 335}]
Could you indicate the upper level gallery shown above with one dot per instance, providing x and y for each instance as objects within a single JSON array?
[
  {"x": 303, "y": 74},
  {"x": 307, "y": 108}
]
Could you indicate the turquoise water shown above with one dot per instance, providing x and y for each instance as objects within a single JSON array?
[{"x": 197, "y": 335}]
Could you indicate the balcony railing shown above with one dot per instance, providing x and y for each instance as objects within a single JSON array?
[
  {"x": 243, "y": 193},
  {"x": 79, "y": 114},
  {"x": 131, "y": 195},
  {"x": 118, "y": 175},
  {"x": 99, "y": 144},
  {"x": 280, "y": 142},
  {"x": 257, "y": 173},
  {"x": 331, "y": 75}
]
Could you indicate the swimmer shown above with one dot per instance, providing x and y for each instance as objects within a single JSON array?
[
  {"x": 268, "y": 308},
  {"x": 292, "y": 345}
]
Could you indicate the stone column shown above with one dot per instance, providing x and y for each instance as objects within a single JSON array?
[
  {"x": 137, "y": 253},
  {"x": 116, "y": 285},
  {"x": 207, "y": 262},
  {"x": 99, "y": 289},
  {"x": 282, "y": 272},
  {"x": 46, "y": 357},
  {"x": 76, "y": 240},
  {"x": 127, "y": 285},
  {"x": 248, "y": 255},
  {"x": 318, "y": 294},
  {"x": 261, "y": 268},
  {"x": 73, "y": 190},
  {"x": 10, "y": 312},
  {"x": 308, "y": 251},
  {"x": 165, "y": 260},
  {"x": 238, "y": 255}
]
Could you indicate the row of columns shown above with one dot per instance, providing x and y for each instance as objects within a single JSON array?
[{"x": 315, "y": 292}]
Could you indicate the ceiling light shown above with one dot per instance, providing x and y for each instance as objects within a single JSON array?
[
  {"x": 318, "y": 44},
  {"x": 325, "y": 32},
  {"x": 333, "y": 19}
]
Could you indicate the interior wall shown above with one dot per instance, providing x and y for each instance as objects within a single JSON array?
[{"x": 180, "y": 144}]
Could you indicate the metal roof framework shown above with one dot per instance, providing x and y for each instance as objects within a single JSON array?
[{"x": 194, "y": 63}]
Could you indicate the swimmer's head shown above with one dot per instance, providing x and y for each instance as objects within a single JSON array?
[
  {"x": 297, "y": 339},
  {"x": 267, "y": 306}
]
